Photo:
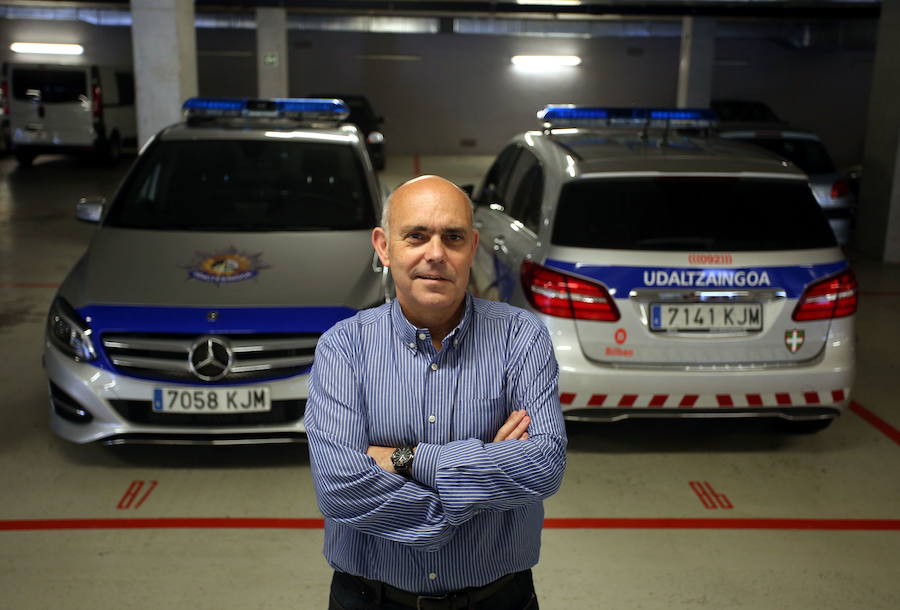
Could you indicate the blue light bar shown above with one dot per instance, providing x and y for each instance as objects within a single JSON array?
[
  {"x": 308, "y": 109},
  {"x": 568, "y": 115},
  {"x": 556, "y": 112}
]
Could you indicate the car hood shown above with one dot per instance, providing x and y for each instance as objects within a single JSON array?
[{"x": 166, "y": 268}]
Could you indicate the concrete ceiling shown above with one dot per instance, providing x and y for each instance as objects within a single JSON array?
[{"x": 770, "y": 9}]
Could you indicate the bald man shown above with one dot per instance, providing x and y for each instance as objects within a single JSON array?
[{"x": 434, "y": 426}]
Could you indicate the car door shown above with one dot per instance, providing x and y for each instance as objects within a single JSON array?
[
  {"x": 505, "y": 237},
  {"x": 489, "y": 204}
]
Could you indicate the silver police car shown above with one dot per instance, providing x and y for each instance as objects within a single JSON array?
[
  {"x": 236, "y": 239},
  {"x": 679, "y": 275}
]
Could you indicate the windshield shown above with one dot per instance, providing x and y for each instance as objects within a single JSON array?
[
  {"x": 690, "y": 214},
  {"x": 808, "y": 155},
  {"x": 245, "y": 185}
]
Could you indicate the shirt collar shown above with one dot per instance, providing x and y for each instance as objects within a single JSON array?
[{"x": 409, "y": 334}]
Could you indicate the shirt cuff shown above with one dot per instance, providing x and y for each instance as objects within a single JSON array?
[{"x": 425, "y": 464}]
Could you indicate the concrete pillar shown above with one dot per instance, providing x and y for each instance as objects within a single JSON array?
[
  {"x": 165, "y": 61},
  {"x": 695, "y": 70},
  {"x": 877, "y": 231},
  {"x": 271, "y": 52}
]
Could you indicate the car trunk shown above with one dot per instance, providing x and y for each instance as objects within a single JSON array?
[{"x": 695, "y": 266}]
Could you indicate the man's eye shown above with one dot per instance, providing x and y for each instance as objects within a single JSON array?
[{"x": 415, "y": 236}]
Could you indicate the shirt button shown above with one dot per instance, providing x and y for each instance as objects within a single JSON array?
[
  {"x": 432, "y": 419},
  {"x": 412, "y": 344},
  {"x": 423, "y": 336},
  {"x": 432, "y": 576},
  {"x": 434, "y": 366}
]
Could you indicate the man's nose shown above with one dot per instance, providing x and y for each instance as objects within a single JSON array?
[{"x": 435, "y": 251}]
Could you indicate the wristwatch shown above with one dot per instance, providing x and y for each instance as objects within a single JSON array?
[{"x": 402, "y": 459}]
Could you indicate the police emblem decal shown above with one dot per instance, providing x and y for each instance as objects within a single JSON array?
[
  {"x": 793, "y": 339},
  {"x": 225, "y": 267}
]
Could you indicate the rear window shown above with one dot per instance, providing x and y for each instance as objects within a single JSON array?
[
  {"x": 808, "y": 155},
  {"x": 690, "y": 214},
  {"x": 51, "y": 86},
  {"x": 245, "y": 185}
]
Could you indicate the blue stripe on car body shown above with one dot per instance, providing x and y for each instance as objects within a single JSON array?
[
  {"x": 194, "y": 320},
  {"x": 621, "y": 279}
]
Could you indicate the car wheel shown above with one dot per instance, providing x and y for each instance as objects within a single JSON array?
[
  {"x": 25, "y": 159},
  {"x": 112, "y": 150}
]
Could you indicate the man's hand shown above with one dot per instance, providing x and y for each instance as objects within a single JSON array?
[
  {"x": 514, "y": 428},
  {"x": 382, "y": 457}
]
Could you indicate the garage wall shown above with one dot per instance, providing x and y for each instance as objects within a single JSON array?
[{"x": 453, "y": 93}]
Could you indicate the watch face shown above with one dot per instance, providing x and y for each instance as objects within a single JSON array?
[{"x": 401, "y": 457}]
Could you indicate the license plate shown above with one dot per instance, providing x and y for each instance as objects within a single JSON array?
[
  {"x": 706, "y": 317},
  {"x": 211, "y": 400}
]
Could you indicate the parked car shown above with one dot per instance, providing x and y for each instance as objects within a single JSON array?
[
  {"x": 832, "y": 189},
  {"x": 236, "y": 239},
  {"x": 369, "y": 123},
  {"x": 744, "y": 111},
  {"x": 679, "y": 276},
  {"x": 55, "y": 108}
]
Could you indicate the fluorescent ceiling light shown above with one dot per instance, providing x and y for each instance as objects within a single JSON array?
[
  {"x": 550, "y": 2},
  {"x": 545, "y": 61},
  {"x": 45, "y": 48}
]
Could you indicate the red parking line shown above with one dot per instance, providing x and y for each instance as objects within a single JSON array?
[
  {"x": 730, "y": 524},
  {"x": 599, "y": 523},
  {"x": 882, "y": 426}
]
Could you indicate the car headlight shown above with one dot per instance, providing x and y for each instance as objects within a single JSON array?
[{"x": 69, "y": 332}]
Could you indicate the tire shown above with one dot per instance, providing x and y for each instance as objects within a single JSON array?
[
  {"x": 112, "y": 150},
  {"x": 25, "y": 159}
]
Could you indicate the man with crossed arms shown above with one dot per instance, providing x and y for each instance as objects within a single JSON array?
[{"x": 434, "y": 426}]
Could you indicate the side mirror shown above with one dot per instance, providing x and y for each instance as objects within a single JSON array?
[{"x": 90, "y": 209}]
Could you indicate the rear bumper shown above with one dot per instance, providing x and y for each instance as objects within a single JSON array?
[{"x": 814, "y": 390}]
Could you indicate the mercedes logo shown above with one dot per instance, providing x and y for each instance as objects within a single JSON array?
[{"x": 210, "y": 358}]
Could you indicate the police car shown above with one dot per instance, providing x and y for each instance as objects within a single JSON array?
[
  {"x": 236, "y": 239},
  {"x": 679, "y": 275}
]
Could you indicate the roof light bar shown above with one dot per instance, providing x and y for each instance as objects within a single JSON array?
[
  {"x": 308, "y": 109},
  {"x": 569, "y": 115}
]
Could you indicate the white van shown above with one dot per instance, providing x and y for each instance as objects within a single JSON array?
[{"x": 55, "y": 108}]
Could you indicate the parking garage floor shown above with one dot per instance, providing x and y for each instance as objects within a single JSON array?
[{"x": 651, "y": 515}]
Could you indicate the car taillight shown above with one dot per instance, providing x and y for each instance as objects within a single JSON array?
[
  {"x": 565, "y": 296},
  {"x": 97, "y": 103},
  {"x": 841, "y": 188},
  {"x": 833, "y": 297}
]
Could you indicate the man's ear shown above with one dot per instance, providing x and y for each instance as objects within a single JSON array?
[{"x": 380, "y": 243}]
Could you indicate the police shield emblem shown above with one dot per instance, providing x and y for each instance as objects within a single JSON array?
[{"x": 793, "y": 339}]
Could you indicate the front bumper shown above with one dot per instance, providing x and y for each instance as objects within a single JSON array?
[{"x": 89, "y": 404}]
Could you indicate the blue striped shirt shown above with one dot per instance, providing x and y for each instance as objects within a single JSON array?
[{"x": 472, "y": 510}]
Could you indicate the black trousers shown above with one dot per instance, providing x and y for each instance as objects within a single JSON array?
[{"x": 351, "y": 593}]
